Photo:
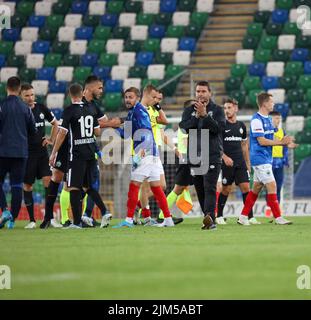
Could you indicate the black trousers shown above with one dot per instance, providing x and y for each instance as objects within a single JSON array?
[{"x": 205, "y": 186}]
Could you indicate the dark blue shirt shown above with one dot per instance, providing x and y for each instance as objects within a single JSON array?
[{"x": 16, "y": 123}]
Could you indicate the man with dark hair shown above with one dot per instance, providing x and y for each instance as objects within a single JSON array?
[
  {"x": 38, "y": 160},
  {"x": 205, "y": 114},
  {"x": 16, "y": 124},
  {"x": 235, "y": 160},
  {"x": 261, "y": 143}
]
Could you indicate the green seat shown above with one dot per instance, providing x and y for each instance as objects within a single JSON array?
[
  {"x": 6, "y": 47},
  {"x": 60, "y": 47},
  {"x": 298, "y": 3},
  {"x": 268, "y": 42},
  {"x": 232, "y": 84},
  {"x": 113, "y": 101},
  {"x": 81, "y": 73},
  {"x": 186, "y": 5},
  {"x": 193, "y": 31},
  {"x": 152, "y": 45},
  {"x": 71, "y": 60},
  {"x": 55, "y": 21},
  {"x": 295, "y": 95},
  {"x": 137, "y": 72},
  {"x": 281, "y": 55},
  {"x": 300, "y": 109},
  {"x": 53, "y": 60},
  {"x": 175, "y": 31},
  {"x": 163, "y": 18},
  {"x": 121, "y": 32},
  {"x": 41, "y": 99},
  {"x": 47, "y": 33},
  {"x": 16, "y": 61},
  {"x": 114, "y": 7},
  {"x": 293, "y": 68},
  {"x": 252, "y": 97},
  {"x": 238, "y": 70},
  {"x": 169, "y": 89},
  {"x": 306, "y": 136},
  {"x": 145, "y": 19},
  {"x": 274, "y": 29},
  {"x": 288, "y": 82},
  {"x": 308, "y": 123},
  {"x": 18, "y": 20},
  {"x": 291, "y": 28},
  {"x": 96, "y": 46},
  {"x": 303, "y": 41},
  {"x": 60, "y": 7},
  {"x": 133, "y": 6},
  {"x": 302, "y": 151},
  {"x": 262, "y": 17},
  {"x": 250, "y": 42},
  {"x": 308, "y": 96},
  {"x": 238, "y": 95},
  {"x": 154, "y": 82},
  {"x": 108, "y": 59},
  {"x": 91, "y": 20},
  {"x": 304, "y": 82},
  {"x": 132, "y": 45},
  {"x": 27, "y": 75},
  {"x": 25, "y": 8},
  {"x": 262, "y": 55},
  {"x": 2, "y": 89},
  {"x": 102, "y": 33},
  {"x": 164, "y": 58},
  {"x": 199, "y": 18},
  {"x": 173, "y": 70},
  {"x": 284, "y": 4},
  {"x": 296, "y": 165},
  {"x": 298, "y": 137},
  {"x": 251, "y": 83},
  {"x": 255, "y": 29}
]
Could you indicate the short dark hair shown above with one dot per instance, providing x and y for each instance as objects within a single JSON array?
[
  {"x": 26, "y": 86},
  {"x": 274, "y": 113},
  {"x": 231, "y": 100},
  {"x": 203, "y": 84},
  {"x": 132, "y": 89},
  {"x": 189, "y": 103},
  {"x": 14, "y": 83},
  {"x": 149, "y": 87},
  {"x": 91, "y": 79},
  {"x": 75, "y": 90},
  {"x": 263, "y": 97}
]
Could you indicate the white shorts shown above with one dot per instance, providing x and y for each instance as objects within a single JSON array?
[
  {"x": 263, "y": 173},
  {"x": 149, "y": 169}
]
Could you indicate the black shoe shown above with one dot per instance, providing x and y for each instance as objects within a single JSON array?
[
  {"x": 159, "y": 220},
  {"x": 84, "y": 225},
  {"x": 67, "y": 224},
  {"x": 96, "y": 223},
  {"x": 177, "y": 220},
  {"x": 45, "y": 224},
  {"x": 208, "y": 223}
]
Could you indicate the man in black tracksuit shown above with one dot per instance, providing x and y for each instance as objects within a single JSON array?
[{"x": 205, "y": 114}]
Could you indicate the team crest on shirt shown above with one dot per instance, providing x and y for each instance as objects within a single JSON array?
[
  {"x": 41, "y": 116},
  {"x": 58, "y": 164},
  {"x": 241, "y": 130},
  {"x": 224, "y": 181}
]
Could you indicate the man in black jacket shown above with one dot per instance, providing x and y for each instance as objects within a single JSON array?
[{"x": 205, "y": 114}]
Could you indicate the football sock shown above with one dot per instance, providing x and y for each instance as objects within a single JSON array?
[
  {"x": 171, "y": 200},
  {"x": 145, "y": 212},
  {"x": 3, "y": 203},
  {"x": 52, "y": 191},
  {"x": 250, "y": 215},
  {"x": 161, "y": 200},
  {"x": 273, "y": 203},
  {"x": 28, "y": 200},
  {"x": 132, "y": 199},
  {"x": 98, "y": 200},
  {"x": 221, "y": 204},
  {"x": 75, "y": 201},
  {"x": 17, "y": 196},
  {"x": 64, "y": 205},
  {"x": 249, "y": 203}
]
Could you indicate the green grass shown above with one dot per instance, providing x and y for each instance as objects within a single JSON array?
[{"x": 185, "y": 262}]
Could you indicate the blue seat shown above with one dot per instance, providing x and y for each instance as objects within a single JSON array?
[
  {"x": 109, "y": 20},
  {"x": 89, "y": 59},
  {"x": 279, "y": 16},
  {"x": 269, "y": 82},
  {"x": 283, "y": 108},
  {"x": 2, "y": 60},
  {"x": 300, "y": 54},
  {"x": 257, "y": 69},
  {"x": 46, "y": 73},
  {"x": 114, "y": 86},
  {"x": 157, "y": 31},
  {"x": 57, "y": 112},
  {"x": 57, "y": 86},
  {"x": 37, "y": 197},
  {"x": 187, "y": 43},
  {"x": 102, "y": 72},
  {"x": 84, "y": 33},
  {"x": 144, "y": 58},
  {"x": 10, "y": 34},
  {"x": 79, "y": 7},
  {"x": 41, "y": 46},
  {"x": 36, "y": 21},
  {"x": 307, "y": 67},
  {"x": 169, "y": 6}
]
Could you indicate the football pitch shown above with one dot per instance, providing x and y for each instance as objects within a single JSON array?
[{"x": 185, "y": 262}]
